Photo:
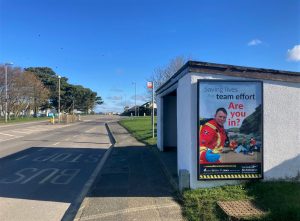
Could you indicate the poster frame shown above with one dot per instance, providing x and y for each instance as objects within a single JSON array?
[{"x": 262, "y": 123}]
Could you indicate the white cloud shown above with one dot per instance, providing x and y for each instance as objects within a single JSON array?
[
  {"x": 108, "y": 108},
  {"x": 116, "y": 90},
  {"x": 254, "y": 42},
  {"x": 294, "y": 53},
  {"x": 114, "y": 98},
  {"x": 139, "y": 98}
]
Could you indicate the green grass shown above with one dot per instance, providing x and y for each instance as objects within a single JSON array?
[
  {"x": 24, "y": 119},
  {"x": 140, "y": 128},
  {"x": 281, "y": 200},
  {"x": 201, "y": 204}
]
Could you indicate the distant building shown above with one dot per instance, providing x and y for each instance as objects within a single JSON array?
[{"x": 142, "y": 110}]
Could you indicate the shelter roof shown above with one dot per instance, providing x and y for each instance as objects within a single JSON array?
[{"x": 232, "y": 70}]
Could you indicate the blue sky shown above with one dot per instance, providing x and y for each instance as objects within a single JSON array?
[{"x": 107, "y": 45}]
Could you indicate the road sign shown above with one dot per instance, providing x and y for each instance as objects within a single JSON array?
[{"x": 149, "y": 84}]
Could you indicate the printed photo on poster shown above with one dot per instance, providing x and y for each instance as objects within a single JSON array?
[{"x": 230, "y": 136}]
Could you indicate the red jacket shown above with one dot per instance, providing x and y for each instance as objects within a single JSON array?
[{"x": 212, "y": 136}]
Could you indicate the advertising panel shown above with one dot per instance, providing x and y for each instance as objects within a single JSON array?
[{"x": 230, "y": 130}]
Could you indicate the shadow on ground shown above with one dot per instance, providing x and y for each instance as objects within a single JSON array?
[
  {"x": 48, "y": 174},
  {"x": 132, "y": 172}
]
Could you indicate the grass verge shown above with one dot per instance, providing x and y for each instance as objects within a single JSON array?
[
  {"x": 24, "y": 119},
  {"x": 140, "y": 128},
  {"x": 281, "y": 200}
]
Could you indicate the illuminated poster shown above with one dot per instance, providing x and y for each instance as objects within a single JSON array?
[{"x": 230, "y": 130}]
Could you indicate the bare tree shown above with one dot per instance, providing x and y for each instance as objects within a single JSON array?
[
  {"x": 25, "y": 92},
  {"x": 162, "y": 74},
  {"x": 31, "y": 92},
  {"x": 11, "y": 74}
]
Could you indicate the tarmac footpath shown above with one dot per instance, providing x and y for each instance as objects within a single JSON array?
[{"x": 131, "y": 185}]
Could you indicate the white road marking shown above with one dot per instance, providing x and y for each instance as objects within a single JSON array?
[
  {"x": 56, "y": 176},
  {"x": 7, "y": 134},
  {"x": 11, "y": 125},
  {"x": 75, "y": 136},
  {"x": 90, "y": 130},
  {"x": 46, "y": 128},
  {"x": 30, "y": 130},
  {"x": 56, "y": 143},
  {"x": 130, "y": 210},
  {"x": 35, "y": 129},
  {"x": 20, "y": 158},
  {"x": 17, "y": 131},
  {"x": 11, "y": 138}
]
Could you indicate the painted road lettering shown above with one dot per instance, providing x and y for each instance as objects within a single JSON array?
[
  {"x": 42, "y": 176},
  {"x": 68, "y": 158},
  {"x": 65, "y": 176}
]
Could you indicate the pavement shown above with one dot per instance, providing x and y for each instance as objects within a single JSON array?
[{"x": 133, "y": 184}]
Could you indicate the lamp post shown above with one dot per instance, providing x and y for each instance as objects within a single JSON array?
[
  {"x": 59, "y": 77},
  {"x": 6, "y": 98},
  {"x": 134, "y": 98}
]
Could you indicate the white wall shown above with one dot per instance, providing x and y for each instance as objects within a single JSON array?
[
  {"x": 281, "y": 128},
  {"x": 184, "y": 140}
]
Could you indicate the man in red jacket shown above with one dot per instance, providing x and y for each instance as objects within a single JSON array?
[{"x": 212, "y": 138}]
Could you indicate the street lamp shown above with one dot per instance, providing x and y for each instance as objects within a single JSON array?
[
  {"x": 6, "y": 98},
  {"x": 59, "y": 77},
  {"x": 134, "y": 98}
]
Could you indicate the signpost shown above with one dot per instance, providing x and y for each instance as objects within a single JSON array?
[{"x": 150, "y": 85}]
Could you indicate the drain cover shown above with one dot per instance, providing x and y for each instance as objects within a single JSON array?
[{"x": 240, "y": 208}]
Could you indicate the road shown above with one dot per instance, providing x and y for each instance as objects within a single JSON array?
[{"x": 45, "y": 169}]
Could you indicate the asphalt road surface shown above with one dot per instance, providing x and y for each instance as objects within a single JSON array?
[{"x": 45, "y": 168}]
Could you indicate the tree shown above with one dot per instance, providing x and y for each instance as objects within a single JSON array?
[
  {"x": 50, "y": 80},
  {"x": 13, "y": 93},
  {"x": 72, "y": 96},
  {"x": 162, "y": 74},
  {"x": 25, "y": 92},
  {"x": 86, "y": 99},
  {"x": 39, "y": 94},
  {"x": 37, "y": 89}
]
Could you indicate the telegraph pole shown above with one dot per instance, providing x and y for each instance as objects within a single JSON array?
[{"x": 59, "y": 99}]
